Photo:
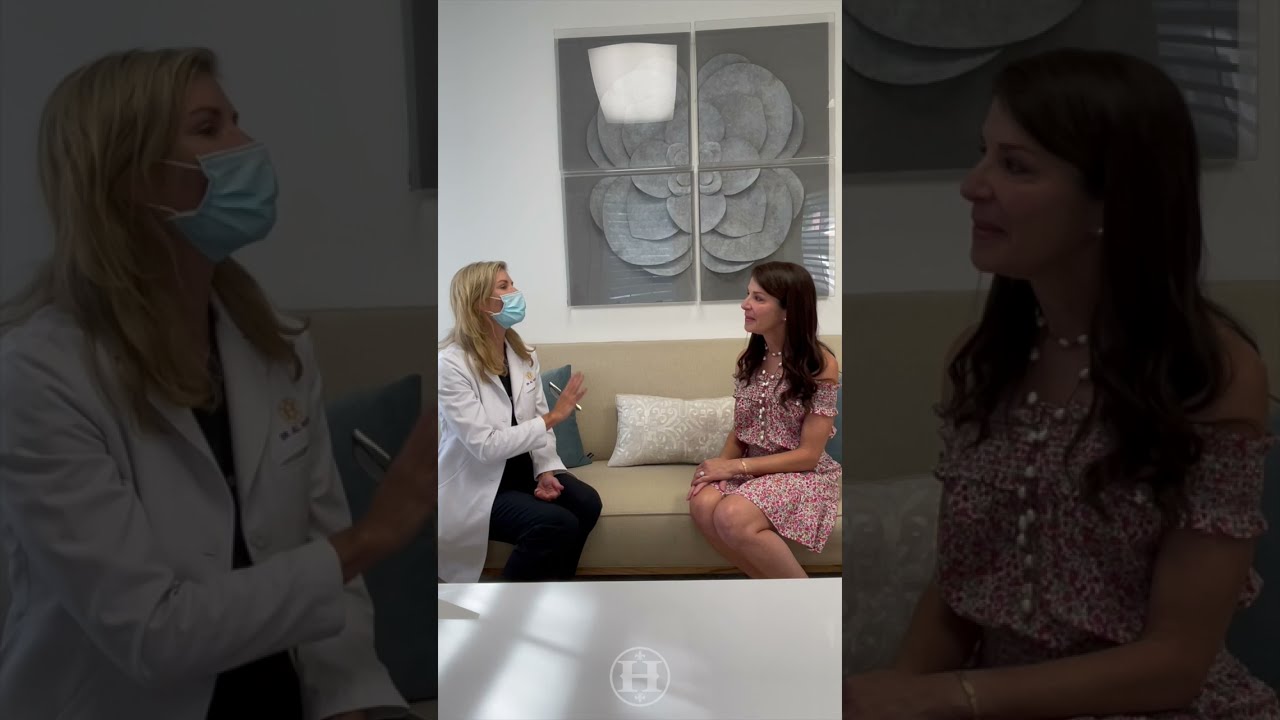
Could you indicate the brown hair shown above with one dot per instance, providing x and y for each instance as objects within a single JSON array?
[
  {"x": 1155, "y": 352},
  {"x": 802, "y": 359}
]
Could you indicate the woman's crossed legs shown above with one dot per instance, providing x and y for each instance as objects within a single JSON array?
[{"x": 741, "y": 532}]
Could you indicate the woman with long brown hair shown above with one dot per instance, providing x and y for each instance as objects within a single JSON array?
[
  {"x": 1104, "y": 427},
  {"x": 774, "y": 479}
]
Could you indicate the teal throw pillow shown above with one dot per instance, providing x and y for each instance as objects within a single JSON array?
[
  {"x": 568, "y": 441},
  {"x": 405, "y": 583}
]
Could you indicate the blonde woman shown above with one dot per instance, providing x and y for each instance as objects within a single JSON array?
[
  {"x": 178, "y": 539},
  {"x": 500, "y": 477}
]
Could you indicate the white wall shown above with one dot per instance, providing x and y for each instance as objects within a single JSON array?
[
  {"x": 500, "y": 195},
  {"x": 320, "y": 81},
  {"x": 909, "y": 234}
]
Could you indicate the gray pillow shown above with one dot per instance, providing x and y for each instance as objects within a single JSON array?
[{"x": 890, "y": 532}]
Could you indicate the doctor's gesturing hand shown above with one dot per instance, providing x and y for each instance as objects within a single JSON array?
[
  {"x": 549, "y": 488},
  {"x": 574, "y": 391},
  {"x": 404, "y": 502}
]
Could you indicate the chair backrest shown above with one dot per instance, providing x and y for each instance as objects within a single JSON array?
[{"x": 1255, "y": 633}]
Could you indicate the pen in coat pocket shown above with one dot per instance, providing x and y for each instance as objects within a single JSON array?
[{"x": 561, "y": 392}]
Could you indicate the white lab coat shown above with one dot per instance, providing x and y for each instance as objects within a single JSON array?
[
  {"x": 476, "y": 438},
  {"x": 119, "y": 541}
]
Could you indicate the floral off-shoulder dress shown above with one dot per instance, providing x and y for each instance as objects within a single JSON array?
[
  {"x": 801, "y": 505},
  {"x": 1025, "y": 557}
]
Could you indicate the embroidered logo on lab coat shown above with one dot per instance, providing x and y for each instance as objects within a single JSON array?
[
  {"x": 293, "y": 435},
  {"x": 294, "y": 421}
]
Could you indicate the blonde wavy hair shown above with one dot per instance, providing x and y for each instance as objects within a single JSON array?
[
  {"x": 471, "y": 286},
  {"x": 103, "y": 130}
]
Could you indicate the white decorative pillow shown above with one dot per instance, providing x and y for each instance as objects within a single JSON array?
[{"x": 656, "y": 430}]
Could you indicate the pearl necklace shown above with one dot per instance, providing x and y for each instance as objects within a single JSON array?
[
  {"x": 766, "y": 380},
  {"x": 1036, "y": 436},
  {"x": 1064, "y": 342},
  {"x": 767, "y": 377}
]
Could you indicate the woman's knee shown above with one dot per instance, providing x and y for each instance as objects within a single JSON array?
[
  {"x": 735, "y": 520},
  {"x": 702, "y": 507}
]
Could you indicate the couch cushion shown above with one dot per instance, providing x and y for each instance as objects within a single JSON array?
[
  {"x": 889, "y": 537},
  {"x": 568, "y": 439},
  {"x": 640, "y": 490},
  {"x": 404, "y": 583},
  {"x": 645, "y": 523},
  {"x": 670, "y": 368}
]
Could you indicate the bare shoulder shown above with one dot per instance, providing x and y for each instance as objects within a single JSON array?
[
  {"x": 830, "y": 367},
  {"x": 1245, "y": 392}
]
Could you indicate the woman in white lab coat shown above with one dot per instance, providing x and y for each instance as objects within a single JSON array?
[
  {"x": 500, "y": 477},
  {"x": 178, "y": 539}
]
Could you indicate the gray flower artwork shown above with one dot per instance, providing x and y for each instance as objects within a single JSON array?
[
  {"x": 907, "y": 60},
  {"x": 678, "y": 205},
  {"x": 745, "y": 117},
  {"x": 912, "y": 42}
]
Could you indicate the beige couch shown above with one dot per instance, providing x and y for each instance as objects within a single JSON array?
[
  {"x": 894, "y": 375},
  {"x": 644, "y": 526}
]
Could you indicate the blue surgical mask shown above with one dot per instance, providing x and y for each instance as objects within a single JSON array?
[
  {"x": 239, "y": 206},
  {"x": 512, "y": 310}
]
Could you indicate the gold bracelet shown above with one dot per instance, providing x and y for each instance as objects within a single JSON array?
[
  {"x": 744, "y": 466},
  {"x": 970, "y": 694}
]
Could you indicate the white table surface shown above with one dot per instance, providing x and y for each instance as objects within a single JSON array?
[{"x": 728, "y": 649}]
